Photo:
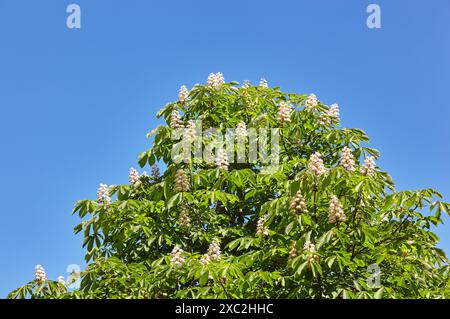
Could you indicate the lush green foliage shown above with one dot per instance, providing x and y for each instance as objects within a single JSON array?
[{"x": 129, "y": 241}]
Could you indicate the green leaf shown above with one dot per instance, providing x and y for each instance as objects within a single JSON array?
[
  {"x": 289, "y": 227},
  {"x": 204, "y": 277},
  {"x": 330, "y": 261},
  {"x": 174, "y": 200},
  {"x": 143, "y": 159},
  {"x": 379, "y": 293},
  {"x": 300, "y": 268}
]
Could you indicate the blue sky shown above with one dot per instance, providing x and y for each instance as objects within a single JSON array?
[{"x": 76, "y": 104}]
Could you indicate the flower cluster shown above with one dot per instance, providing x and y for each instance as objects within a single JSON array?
[
  {"x": 246, "y": 84},
  {"x": 316, "y": 165},
  {"x": 155, "y": 172},
  {"x": 191, "y": 131},
  {"x": 133, "y": 176},
  {"x": 311, "y": 102},
  {"x": 184, "y": 221},
  {"x": 183, "y": 94},
  {"x": 298, "y": 204},
  {"x": 204, "y": 260},
  {"x": 347, "y": 159},
  {"x": 175, "y": 120},
  {"x": 215, "y": 81},
  {"x": 181, "y": 181},
  {"x": 214, "y": 252},
  {"x": 330, "y": 116},
  {"x": 39, "y": 273},
  {"x": 210, "y": 159},
  {"x": 293, "y": 252},
  {"x": 176, "y": 256},
  {"x": 103, "y": 194},
  {"x": 335, "y": 211},
  {"x": 250, "y": 104},
  {"x": 222, "y": 159},
  {"x": 261, "y": 228},
  {"x": 61, "y": 280},
  {"x": 284, "y": 112},
  {"x": 368, "y": 168},
  {"x": 263, "y": 83},
  {"x": 309, "y": 249},
  {"x": 333, "y": 112},
  {"x": 241, "y": 131}
]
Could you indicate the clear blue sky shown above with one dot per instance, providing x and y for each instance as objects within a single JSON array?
[{"x": 76, "y": 104}]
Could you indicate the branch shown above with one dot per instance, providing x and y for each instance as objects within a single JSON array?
[{"x": 224, "y": 290}]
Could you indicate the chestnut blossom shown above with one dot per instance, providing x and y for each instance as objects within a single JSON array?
[
  {"x": 261, "y": 228},
  {"x": 330, "y": 116},
  {"x": 241, "y": 130},
  {"x": 181, "y": 181},
  {"x": 347, "y": 159},
  {"x": 293, "y": 252},
  {"x": 103, "y": 194},
  {"x": 263, "y": 83},
  {"x": 298, "y": 204},
  {"x": 309, "y": 250},
  {"x": 39, "y": 273},
  {"x": 184, "y": 220},
  {"x": 205, "y": 259},
  {"x": 214, "y": 252},
  {"x": 315, "y": 164},
  {"x": 191, "y": 132},
  {"x": 368, "y": 168},
  {"x": 215, "y": 81},
  {"x": 175, "y": 120},
  {"x": 176, "y": 256},
  {"x": 183, "y": 94},
  {"x": 284, "y": 112},
  {"x": 133, "y": 176},
  {"x": 311, "y": 102},
  {"x": 335, "y": 211},
  {"x": 222, "y": 159},
  {"x": 155, "y": 172}
]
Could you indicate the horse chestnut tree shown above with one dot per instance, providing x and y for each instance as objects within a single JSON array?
[{"x": 325, "y": 222}]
